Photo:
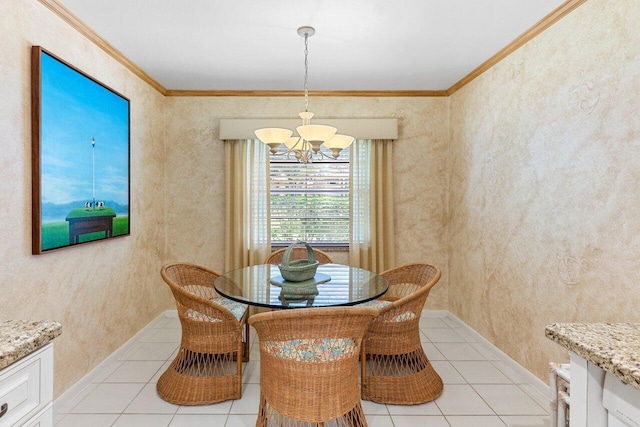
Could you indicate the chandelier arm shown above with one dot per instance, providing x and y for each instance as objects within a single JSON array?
[{"x": 304, "y": 152}]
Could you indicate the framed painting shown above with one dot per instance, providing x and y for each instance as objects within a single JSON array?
[{"x": 80, "y": 156}]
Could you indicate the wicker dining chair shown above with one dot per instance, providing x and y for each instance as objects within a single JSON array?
[
  {"x": 309, "y": 365},
  {"x": 208, "y": 367},
  {"x": 397, "y": 369},
  {"x": 298, "y": 253}
]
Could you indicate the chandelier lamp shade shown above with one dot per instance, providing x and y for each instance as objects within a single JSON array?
[{"x": 306, "y": 147}]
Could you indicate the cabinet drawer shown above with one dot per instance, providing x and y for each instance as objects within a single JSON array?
[{"x": 22, "y": 389}]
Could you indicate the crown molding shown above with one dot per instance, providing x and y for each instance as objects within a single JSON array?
[
  {"x": 83, "y": 29},
  {"x": 273, "y": 93},
  {"x": 553, "y": 17},
  {"x": 559, "y": 13}
]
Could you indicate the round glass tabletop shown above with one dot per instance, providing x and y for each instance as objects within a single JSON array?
[{"x": 263, "y": 286}]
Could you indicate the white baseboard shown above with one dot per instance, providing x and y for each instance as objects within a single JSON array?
[
  {"x": 527, "y": 377},
  {"x": 69, "y": 398},
  {"x": 434, "y": 313}
]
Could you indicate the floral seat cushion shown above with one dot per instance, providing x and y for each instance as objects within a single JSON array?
[
  {"x": 380, "y": 304},
  {"x": 314, "y": 350},
  {"x": 236, "y": 308}
]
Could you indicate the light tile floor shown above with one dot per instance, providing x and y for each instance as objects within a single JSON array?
[{"x": 480, "y": 390}]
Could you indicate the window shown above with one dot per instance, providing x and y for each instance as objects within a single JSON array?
[{"x": 310, "y": 202}]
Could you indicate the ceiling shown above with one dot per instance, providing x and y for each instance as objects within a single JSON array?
[{"x": 362, "y": 45}]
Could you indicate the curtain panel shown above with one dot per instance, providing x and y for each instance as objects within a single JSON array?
[
  {"x": 371, "y": 244},
  {"x": 247, "y": 213}
]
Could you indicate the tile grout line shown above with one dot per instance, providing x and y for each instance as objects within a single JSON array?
[{"x": 446, "y": 320}]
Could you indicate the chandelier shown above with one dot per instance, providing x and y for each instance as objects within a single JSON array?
[{"x": 307, "y": 146}]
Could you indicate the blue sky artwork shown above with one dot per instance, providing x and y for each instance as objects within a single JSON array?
[{"x": 75, "y": 110}]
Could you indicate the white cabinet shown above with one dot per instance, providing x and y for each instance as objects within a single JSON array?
[
  {"x": 622, "y": 402},
  {"x": 587, "y": 383},
  {"x": 600, "y": 399},
  {"x": 43, "y": 419},
  {"x": 26, "y": 390}
]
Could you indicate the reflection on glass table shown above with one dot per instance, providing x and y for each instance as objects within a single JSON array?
[{"x": 346, "y": 286}]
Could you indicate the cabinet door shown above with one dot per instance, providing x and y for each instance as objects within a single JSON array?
[
  {"x": 43, "y": 419},
  {"x": 587, "y": 384},
  {"x": 622, "y": 401}
]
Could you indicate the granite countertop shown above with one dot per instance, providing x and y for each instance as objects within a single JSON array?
[
  {"x": 614, "y": 347},
  {"x": 21, "y": 337}
]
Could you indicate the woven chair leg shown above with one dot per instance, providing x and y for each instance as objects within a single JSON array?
[
  {"x": 401, "y": 379},
  {"x": 239, "y": 360},
  {"x": 245, "y": 344},
  {"x": 268, "y": 417},
  {"x": 200, "y": 379}
]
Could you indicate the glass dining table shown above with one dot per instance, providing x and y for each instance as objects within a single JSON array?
[{"x": 334, "y": 285}]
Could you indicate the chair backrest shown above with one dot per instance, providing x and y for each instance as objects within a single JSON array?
[
  {"x": 315, "y": 350},
  {"x": 192, "y": 288},
  {"x": 298, "y": 253},
  {"x": 409, "y": 286},
  {"x": 190, "y": 278},
  {"x": 304, "y": 323}
]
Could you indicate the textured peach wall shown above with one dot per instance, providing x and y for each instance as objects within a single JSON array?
[
  {"x": 103, "y": 292},
  {"x": 545, "y": 177},
  {"x": 195, "y": 172},
  {"x": 521, "y": 187}
]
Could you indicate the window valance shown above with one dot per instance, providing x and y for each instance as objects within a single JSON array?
[{"x": 234, "y": 129}]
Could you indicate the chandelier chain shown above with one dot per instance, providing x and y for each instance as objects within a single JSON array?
[{"x": 306, "y": 71}]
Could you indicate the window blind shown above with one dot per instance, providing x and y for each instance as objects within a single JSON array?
[{"x": 310, "y": 202}]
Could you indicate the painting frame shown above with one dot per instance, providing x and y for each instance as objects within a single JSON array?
[{"x": 77, "y": 120}]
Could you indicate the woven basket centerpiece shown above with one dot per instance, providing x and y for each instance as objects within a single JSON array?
[{"x": 301, "y": 269}]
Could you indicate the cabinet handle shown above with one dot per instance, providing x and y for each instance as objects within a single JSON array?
[{"x": 3, "y": 409}]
